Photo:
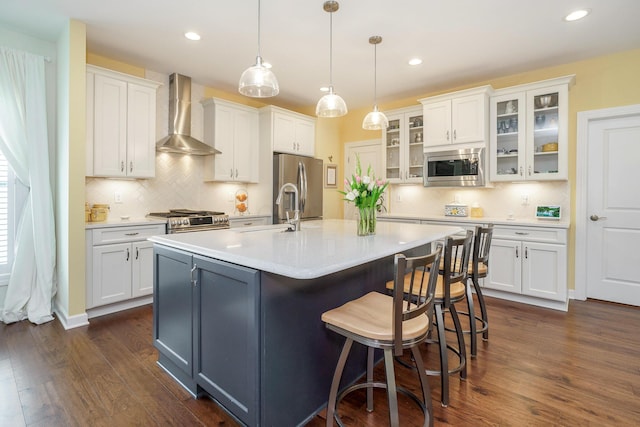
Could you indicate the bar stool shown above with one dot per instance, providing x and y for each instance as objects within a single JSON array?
[
  {"x": 478, "y": 269},
  {"x": 391, "y": 323},
  {"x": 450, "y": 288}
]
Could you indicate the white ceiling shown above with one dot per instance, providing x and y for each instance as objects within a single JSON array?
[{"x": 461, "y": 41}]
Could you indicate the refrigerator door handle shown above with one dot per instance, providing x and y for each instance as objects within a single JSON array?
[{"x": 302, "y": 181}]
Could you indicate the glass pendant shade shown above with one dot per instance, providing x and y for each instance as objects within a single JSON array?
[
  {"x": 375, "y": 120},
  {"x": 258, "y": 81},
  {"x": 331, "y": 105}
]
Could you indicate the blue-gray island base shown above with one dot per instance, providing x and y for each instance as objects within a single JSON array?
[{"x": 252, "y": 339}]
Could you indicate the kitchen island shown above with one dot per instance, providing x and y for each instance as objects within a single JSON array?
[{"x": 237, "y": 312}]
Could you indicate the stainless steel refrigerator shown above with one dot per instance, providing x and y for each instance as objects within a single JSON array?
[{"x": 306, "y": 174}]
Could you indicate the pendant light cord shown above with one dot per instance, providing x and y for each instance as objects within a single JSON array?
[
  {"x": 331, "y": 51},
  {"x": 375, "y": 75},
  {"x": 259, "y": 53}
]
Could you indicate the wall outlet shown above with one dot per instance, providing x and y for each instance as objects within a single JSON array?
[
  {"x": 398, "y": 197},
  {"x": 525, "y": 200},
  {"x": 117, "y": 197}
]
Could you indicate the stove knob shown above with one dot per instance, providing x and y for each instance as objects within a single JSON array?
[
  {"x": 185, "y": 221},
  {"x": 215, "y": 219},
  {"x": 173, "y": 223}
]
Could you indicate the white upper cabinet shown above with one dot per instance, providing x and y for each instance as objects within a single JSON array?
[
  {"x": 402, "y": 142},
  {"x": 456, "y": 118},
  {"x": 529, "y": 131},
  {"x": 288, "y": 131},
  {"x": 121, "y": 124},
  {"x": 233, "y": 129}
]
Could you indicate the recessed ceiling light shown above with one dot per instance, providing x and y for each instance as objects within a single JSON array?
[
  {"x": 192, "y": 36},
  {"x": 577, "y": 14},
  {"x": 415, "y": 61}
]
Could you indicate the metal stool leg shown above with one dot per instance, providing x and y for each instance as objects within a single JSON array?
[
  {"x": 335, "y": 383},
  {"x": 461, "y": 345},
  {"x": 483, "y": 311},
  {"x": 472, "y": 321},
  {"x": 444, "y": 361},
  {"x": 392, "y": 392},
  {"x": 426, "y": 391}
]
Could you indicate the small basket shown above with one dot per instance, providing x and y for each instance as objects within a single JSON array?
[{"x": 456, "y": 210}]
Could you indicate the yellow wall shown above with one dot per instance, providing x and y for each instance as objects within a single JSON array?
[{"x": 601, "y": 82}]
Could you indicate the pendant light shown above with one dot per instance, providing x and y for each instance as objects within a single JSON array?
[
  {"x": 258, "y": 81},
  {"x": 331, "y": 105},
  {"x": 375, "y": 120}
]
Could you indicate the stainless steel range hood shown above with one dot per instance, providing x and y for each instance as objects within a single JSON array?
[{"x": 179, "y": 139}]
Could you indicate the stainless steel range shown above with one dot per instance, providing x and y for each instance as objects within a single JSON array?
[{"x": 186, "y": 220}]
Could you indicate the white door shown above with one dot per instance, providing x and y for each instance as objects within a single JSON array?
[
  {"x": 369, "y": 153},
  {"x": 611, "y": 214}
]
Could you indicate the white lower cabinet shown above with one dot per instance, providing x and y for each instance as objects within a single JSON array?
[
  {"x": 119, "y": 266},
  {"x": 526, "y": 264},
  {"x": 531, "y": 262}
]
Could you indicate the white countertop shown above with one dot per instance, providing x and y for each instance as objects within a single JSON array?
[
  {"x": 118, "y": 222},
  {"x": 524, "y": 222},
  {"x": 318, "y": 249}
]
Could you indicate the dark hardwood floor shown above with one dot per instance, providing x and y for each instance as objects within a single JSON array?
[{"x": 539, "y": 368}]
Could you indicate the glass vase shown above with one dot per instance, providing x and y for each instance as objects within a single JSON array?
[{"x": 367, "y": 221}]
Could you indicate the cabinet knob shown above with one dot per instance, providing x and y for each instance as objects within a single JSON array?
[
  {"x": 130, "y": 166},
  {"x": 517, "y": 253},
  {"x": 447, "y": 135},
  {"x": 231, "y": 173},
  {"x": 454, "y": 135},
  {"x": 529, "y": 170},
  {"x": 595, "y": 217},
  {"x": 122, "y": 166},
  {"x": 521, "y": 171},
  {"x": 137, "y": 253},
  {"x": 236, "y": 173},
  {"x": 127, "y": 259}
]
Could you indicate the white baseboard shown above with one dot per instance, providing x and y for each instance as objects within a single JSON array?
[
  {"x": 540, "y": 302},
  {"x": 70, "y": 322},
  {"x": 119, "y": 306}
]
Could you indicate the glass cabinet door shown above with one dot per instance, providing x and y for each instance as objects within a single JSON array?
[
  {"x": 415, "y": 151},
  {"x": 546, "y": 142},
  {"x": 404, "y": 149},
  {"x": 507, "y": 137},
  {"x": 392, "y": 149}
]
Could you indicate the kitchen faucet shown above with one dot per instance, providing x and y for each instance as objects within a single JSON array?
[{"x": 295, "y": 222}]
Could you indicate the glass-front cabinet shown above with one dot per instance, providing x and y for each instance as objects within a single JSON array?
[
  {"x": 403, "y": 147},
  {"x": 528, "y": 135}
]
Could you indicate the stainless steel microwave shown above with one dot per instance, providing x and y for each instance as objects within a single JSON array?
[{"x": 454, "y": 168}]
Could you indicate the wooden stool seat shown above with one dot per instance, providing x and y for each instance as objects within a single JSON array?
[{"x": 371, "y": 317}]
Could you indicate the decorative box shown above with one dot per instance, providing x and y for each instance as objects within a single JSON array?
[{"x": 456, "y": 210}]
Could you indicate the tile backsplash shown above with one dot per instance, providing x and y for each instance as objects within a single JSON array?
[{"x": 499, "y": 201}]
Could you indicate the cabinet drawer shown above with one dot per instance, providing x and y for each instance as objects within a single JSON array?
[
  {"x": 105, "y": 236},
  {"x": 249, "y": 222},
  {"x": 531, "y": 234}
]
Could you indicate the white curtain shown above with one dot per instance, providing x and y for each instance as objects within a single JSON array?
[{"x": 24, "y": 142}]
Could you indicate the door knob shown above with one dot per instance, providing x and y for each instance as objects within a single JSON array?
[{"x": 595, "y": 217}]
